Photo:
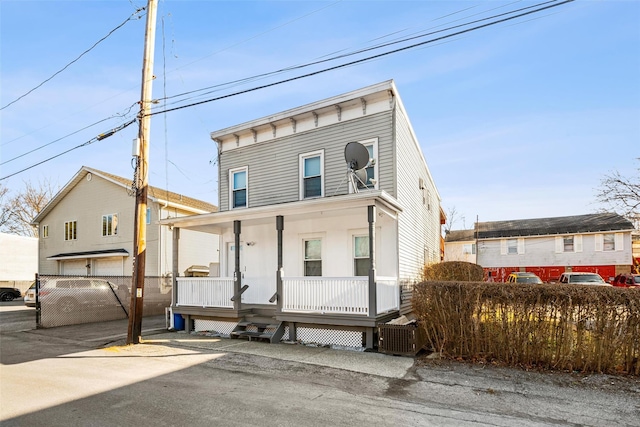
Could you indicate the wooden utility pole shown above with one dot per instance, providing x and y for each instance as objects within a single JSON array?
[{"x": 142, "y": 180}]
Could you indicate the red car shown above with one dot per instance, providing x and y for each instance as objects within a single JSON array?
[{"x": 627, "y": 280}]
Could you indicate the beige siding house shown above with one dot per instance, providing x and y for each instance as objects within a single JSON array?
[{"x": 87, "y": 229}]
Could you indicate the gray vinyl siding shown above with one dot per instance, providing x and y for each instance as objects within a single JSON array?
[
  {"x": 418, "y": 226},
  {"x": 273, "y": 166}
]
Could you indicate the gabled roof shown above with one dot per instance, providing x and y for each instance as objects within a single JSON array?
[
  {"x": 590, "y": 223},
  {"x": 155, "y": 194}
]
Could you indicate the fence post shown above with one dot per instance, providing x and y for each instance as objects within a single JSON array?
[{"x": 38, "y": 312}]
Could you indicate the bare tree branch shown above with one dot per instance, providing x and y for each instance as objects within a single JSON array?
[
  {"x": 18, "y": 211},
  {"x": 621, "y": 194}
]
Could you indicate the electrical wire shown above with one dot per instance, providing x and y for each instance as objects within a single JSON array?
[
  {"x": 219, "y": 87},
  {"x": 75, "y": 60},
  {"x": 369, "y": 58},
  {"x": 100, "y": 137}
]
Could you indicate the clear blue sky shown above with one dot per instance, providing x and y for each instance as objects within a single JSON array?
[{"x": 518, "y": 120}]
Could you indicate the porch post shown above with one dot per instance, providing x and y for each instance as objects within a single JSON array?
[
  {"x": 373, "y": 311},
  {"x": 237, "y": 277},
  {"x": 174, "y": 266},
  {"x": 280, "y": 228}
]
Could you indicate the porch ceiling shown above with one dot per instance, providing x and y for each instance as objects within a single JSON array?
[{"x": 325, "y": 207}]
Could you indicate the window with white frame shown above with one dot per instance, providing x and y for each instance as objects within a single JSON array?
[
  {"x": 45, "y": 231},
  {"x": 512, "y": 246},
  {"x": 148, "y": 215},
  {"x": 238, "y": 194},
  {"x": 110, "y": 225},
  {"x": 361, "y": 259},
  {"x": 311, "y": 175},
  {"x": 609, "y": 242},
  {"x": 469, "y": 248},
  {"x": 567, "y": 244},
  {"x": 312, "y": 257},
  {"x": 371, "y": 180},
  {"x": 70, "y": 230}
]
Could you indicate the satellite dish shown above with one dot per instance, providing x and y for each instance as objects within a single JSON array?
[
  {"x": 356, "y": 155},
  {"x": 362, "y": 176}
]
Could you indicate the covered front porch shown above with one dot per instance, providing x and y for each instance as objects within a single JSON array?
[{"x": 330, "y": 262}]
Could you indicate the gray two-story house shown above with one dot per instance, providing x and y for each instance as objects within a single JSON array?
[{"x": 312, "y": 249}]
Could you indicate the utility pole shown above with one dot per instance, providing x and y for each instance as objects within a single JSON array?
[{"x": 142, "y": 180}]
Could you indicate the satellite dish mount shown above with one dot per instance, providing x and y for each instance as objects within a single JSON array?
[{"x": 357, "y": 157}]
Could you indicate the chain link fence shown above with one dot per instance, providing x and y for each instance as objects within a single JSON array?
[{"x": 66, "y": 300}]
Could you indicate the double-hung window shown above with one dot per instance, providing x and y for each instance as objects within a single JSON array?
[
  {"x": 371, "y": 180},
  {"x": 568, "y": 244},
  {"x": 238, "y": 195},
  {"x": 609, "y": 242},
  {"x": 311, "y": 175},
  {"x": 361, "y": 259},
  {"x": 469, "y": 248},
  {"x": 70, "y": 230},
  {"x": 312, "y": 257},
  {"x": 110, "y": 225}
]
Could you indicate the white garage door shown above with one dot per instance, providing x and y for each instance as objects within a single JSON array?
[
  {"x": 74, "y": 267},
  {"x": 108, "y": 266}
]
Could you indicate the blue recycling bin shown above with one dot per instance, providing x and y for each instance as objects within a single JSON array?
[{"x": 178, "y": 322}]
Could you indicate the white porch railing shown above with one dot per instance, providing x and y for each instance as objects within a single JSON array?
[
  {"x": 205, "y": 291},
  {"x": 387, "y": 294},
  {"x": 335, "y": 295},
  {"x": 326, "y": 295}
]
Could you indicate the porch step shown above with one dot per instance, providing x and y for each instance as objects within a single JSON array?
[{"x": 260, "y": 329}]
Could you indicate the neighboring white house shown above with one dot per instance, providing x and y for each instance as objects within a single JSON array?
[
  {"x": 312, "y": 255},
  {"x": 87, "y": 229},
  {"x": 599, "y": 243},
  {"x": 18, "y": 260}
]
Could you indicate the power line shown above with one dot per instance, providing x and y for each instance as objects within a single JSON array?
[
  {"x": 100, "y": 137},
  {"x": 363, "y": 59},
  {"x": 75, "y": 60},
  {"x": 363, "y": 50}
]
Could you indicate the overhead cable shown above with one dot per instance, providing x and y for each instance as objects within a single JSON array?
[
  {"x": 75, "y": 60},
  {"x": 360, "y": 60}
]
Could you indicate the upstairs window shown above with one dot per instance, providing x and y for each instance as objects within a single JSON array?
[
  {"x": 311, "y": 167},
  {"x": 313, "y": 257},
  {"x": 45, "y": 231},
  {"x": 110, "y": 225},
  {"x": 568, "y": 244},
  {"x": 469, "y": 248},
  {"x": 512, "y": 246},
  {"x": 608, "y": 242},
  {"x": 70, "y": 230},
  {"x": 361, "y": 259},
  {"x": 372, "y": 168},
  {"x": 239, "y": 190}
]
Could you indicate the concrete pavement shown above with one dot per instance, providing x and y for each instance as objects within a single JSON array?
[{"x": 154, "y": 331}]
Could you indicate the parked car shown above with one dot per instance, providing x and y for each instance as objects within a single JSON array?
[
  {"x": 524, "y": 277},
  {"x": 583, "y": 278},
  {"x": 9, "y": 294},
  {"x": 628, "y": 280},
  {"x": 73, "y": 294},
  {"x": 30, "y": 296}
]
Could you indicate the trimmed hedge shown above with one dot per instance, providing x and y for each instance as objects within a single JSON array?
[
  {"x": 564, "y": 327},
  {"x": 458, "y": 271}
]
